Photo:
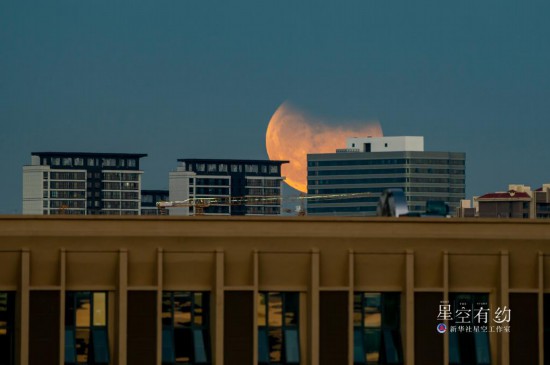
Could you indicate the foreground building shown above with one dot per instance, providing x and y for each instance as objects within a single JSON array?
[
  {"x": 273, "y": 290},
  {"x": 82, "y": 183},
  {"x": 240, "y": 187},
  {"x": 372, "y": 165}
]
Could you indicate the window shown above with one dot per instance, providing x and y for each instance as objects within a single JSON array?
[
  {"x": 278, "y": 325},
  {"x": 147, "y": 199},
  {"x": 67, "y": 161},
  {"x": 7, "y": 328},
  {"x": 200, "y": 167},
  {"x": 376, "y": 328},
  {"x": 468, "y": 347},
  {"x": 91, "y": 162},
  {"x": 185, "y": 328},
  {"x": 212, "y": 167},
  {"x": 273, "y": 169},
  {"x": 56, "y": 161},
  {"x": 222, "y": 167},
  {"x": 251, "y": 168},
  {"x": 132, "y": 163},
  {"x": 109, "y": 162},
  {"x": 86, "y": 337}
]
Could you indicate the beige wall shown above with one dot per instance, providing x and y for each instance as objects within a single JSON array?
[{"x": 296, "y": 254}]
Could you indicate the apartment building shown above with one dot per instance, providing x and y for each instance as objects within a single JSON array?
[{"x": 82, "y": 183}]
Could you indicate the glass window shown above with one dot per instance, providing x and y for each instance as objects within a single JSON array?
[
  {"x": 132, "y": 163},
  {"x": 376, "y": 333},
  {"x": 56, "y": 161},
  {"x": 278, "y": 328},
  {"x": 468, "y": 347},
  {"x": 91, "y": 162},
  {"x": 109, "y": 162},
  {"x": 273, "y": 169},
  {"x": 7, "y": 328},
  {"x": 251, "y": 168},
  {"x": 67, "y": 161},
  {"x": 185, "y": 328},
  {"x": 86, "y": 335}
]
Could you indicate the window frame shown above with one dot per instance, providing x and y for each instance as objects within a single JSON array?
[
  {"x": 290, "y": 350},
  {"x": 390, "y": 346},
  {"x": 200, "y": 352},
  {"x": 98, "y": 332}
]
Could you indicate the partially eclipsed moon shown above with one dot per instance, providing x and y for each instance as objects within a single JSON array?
[{"x": 291, "y": 135}]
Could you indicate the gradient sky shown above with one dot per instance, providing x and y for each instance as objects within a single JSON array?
[{"x": 186, "y": 78}]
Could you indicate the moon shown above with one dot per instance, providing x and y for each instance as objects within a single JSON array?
[{"x": 292, "y": 134}]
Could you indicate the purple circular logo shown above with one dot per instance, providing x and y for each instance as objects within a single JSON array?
[{"x": 441, "y": 328}]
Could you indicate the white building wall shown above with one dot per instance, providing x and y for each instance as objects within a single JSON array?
[
  {"x": 33, "y": 195},
  {"x": 178, "y": 186},
  {"x": 386, "y": 144}
]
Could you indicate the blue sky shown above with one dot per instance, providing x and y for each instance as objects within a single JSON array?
[{"x": 186, "y": 78}]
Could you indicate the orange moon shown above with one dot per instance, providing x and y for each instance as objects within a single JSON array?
[{"x": 292, "y": 134}]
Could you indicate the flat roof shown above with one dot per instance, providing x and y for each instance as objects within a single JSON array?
[
  {"x": 232, "y": 161},
  {"x": 88, "y": 154}
]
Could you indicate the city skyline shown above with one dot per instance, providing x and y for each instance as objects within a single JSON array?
[{"x": 198, "y": 80}]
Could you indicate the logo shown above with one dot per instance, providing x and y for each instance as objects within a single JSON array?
[{"x": 441, "y": 328}]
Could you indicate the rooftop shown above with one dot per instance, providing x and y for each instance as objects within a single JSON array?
[
  {"x": 508, "y": 195},
  {"x": 89, "y": 154}
]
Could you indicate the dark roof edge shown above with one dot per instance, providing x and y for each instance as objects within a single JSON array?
[
  {"x": 89, "y": 154},
  {"x": 223, "y": 160}
]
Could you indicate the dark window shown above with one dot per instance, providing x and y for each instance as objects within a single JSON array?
[
  {"x": 7, "y": 336},
  {"x": 376, "y": 332},
  {"x": 185, "y": 328},
  {"x": 367, "y": 147},
  {"x": 468, "y": 347},
  {"x": 278, "y": 335},
  {"x": 86, "y": 337}
]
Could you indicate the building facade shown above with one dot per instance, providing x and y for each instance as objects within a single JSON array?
[
  {"x": 149, "y": 200},
  {"x": 510, "y": 204},
  {"x": 234, "y": 187},
  {"x": 518, "y": 202},
  {"x": 372, "y": 165},
  {"x": 542, "y": 202},
  {"x": 273, "y": 290},
  {"x": 82, "y": 183}
]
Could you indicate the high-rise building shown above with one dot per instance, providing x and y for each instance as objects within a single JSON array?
[
  {"x": 372, "y": 165},
  {"x": 82, "y": 183},
  {"x": 240, "y": 187}
]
